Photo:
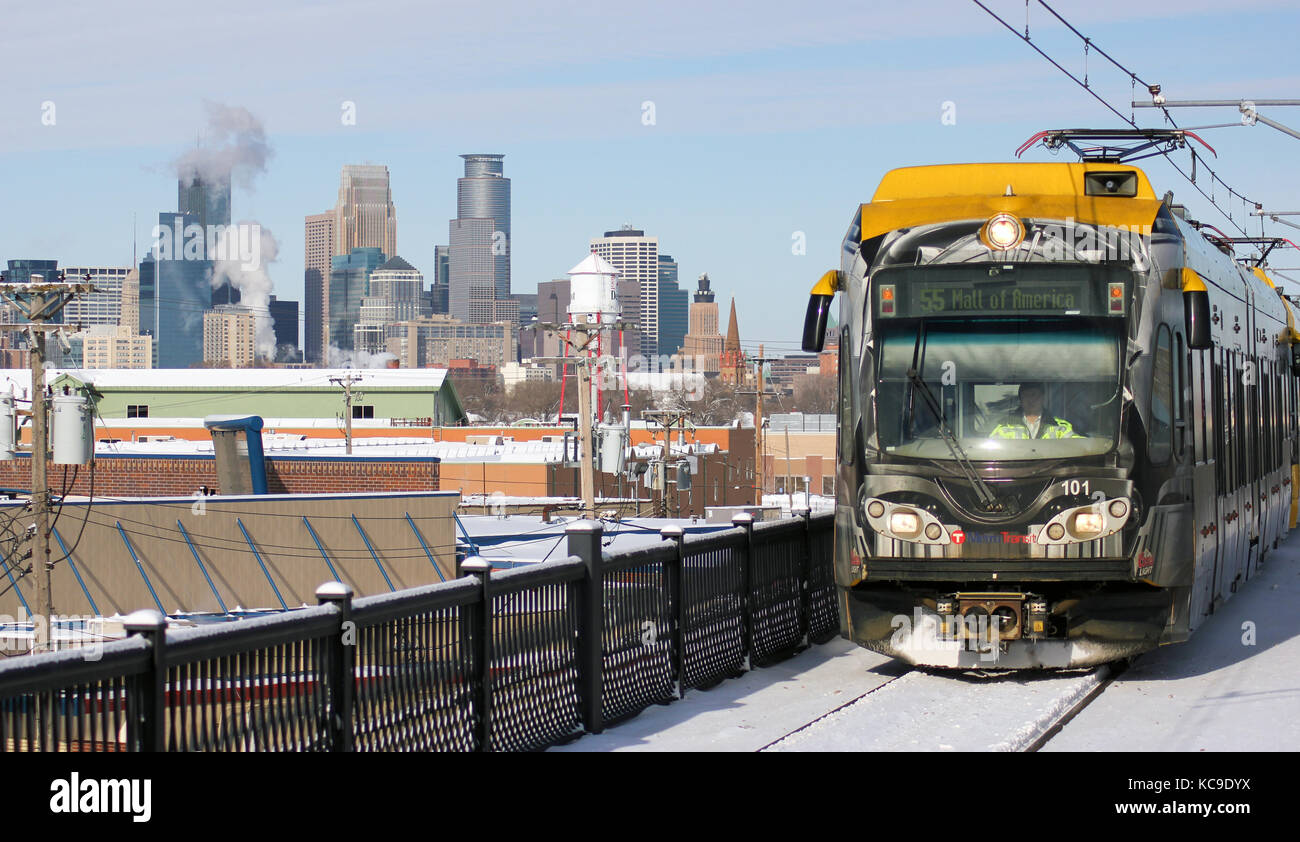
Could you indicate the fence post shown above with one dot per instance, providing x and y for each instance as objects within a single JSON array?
[
  {"x": 145, "y": 729},
  {"x": 340, "y": 669},
  {"x": 677, "y": 593},
  {"x": 482, "y": 569},
  {"x": 805, "y": 564},
  {"x": 584, "y": 542},
  {"x": 746, "y": 521}
]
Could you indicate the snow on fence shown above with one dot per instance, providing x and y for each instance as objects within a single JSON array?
[{"x": 494, "y": 661}]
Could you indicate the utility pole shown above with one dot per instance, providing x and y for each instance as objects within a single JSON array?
[
  {"x": 759, "y": 362},
  {"x": 666, "y": 418},
  {"x": 789, "y": 486},
  {"x": 40, "y": 301},
  {"x": 579, "y": 336},
  {"x": 346, "y": 383}
]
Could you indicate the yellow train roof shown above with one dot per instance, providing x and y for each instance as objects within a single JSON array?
[{"x": 913, "y": 196}]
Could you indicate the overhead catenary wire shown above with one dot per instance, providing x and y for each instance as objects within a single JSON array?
[{"x": 1128, "y": 120}]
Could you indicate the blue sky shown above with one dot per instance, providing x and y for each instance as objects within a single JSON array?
[{"x": 770, "y": 118}]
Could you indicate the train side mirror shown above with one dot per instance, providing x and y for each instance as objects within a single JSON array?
[
  {"x": 1196, "y": 315},
  {"x": 814, "y": 323},
  {"x": 819, "y": 311}
]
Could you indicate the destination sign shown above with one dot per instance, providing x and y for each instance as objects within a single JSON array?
[
  {"x": 999, "y": 290},
  {"x": 1038, "y": 298}
]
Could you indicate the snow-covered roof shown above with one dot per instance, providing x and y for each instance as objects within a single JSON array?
[
  {"x": 244, "y": 379},
  {"x": 532, "y": 452},
  {"x": 594, "y": 264},
  {"x": 525, "y": 539}
]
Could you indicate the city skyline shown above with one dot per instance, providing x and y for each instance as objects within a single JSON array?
[{"x": 736, "y": 151}]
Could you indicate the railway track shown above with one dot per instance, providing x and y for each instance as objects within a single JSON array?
[{"x": 940, "y": 710}]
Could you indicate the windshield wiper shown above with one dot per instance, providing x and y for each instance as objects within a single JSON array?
[{"x": 986, "y": 496}]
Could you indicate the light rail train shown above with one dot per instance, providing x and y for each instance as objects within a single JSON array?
[{"x": 1067, "y": 417}]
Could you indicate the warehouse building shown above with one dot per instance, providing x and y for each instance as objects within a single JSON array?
[{"x": 398, "y": 395}]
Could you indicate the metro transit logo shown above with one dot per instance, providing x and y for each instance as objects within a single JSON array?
[{"x": 960, "y": 536}]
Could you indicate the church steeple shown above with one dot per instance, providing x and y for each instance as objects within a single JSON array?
[
  {"x": 732, "y": 345},
  {"x": 732, "y": 360}
]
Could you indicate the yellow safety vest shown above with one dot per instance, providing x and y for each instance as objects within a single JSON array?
[{"x": 1015, "y": 429}]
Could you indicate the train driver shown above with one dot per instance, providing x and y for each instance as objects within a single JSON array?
[{"x": 1031, "y": 421}]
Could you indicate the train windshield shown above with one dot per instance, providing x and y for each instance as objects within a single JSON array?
[{"x": 999, "y": 389}]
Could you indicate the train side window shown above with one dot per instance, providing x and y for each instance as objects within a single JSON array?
[{"x": 1160, "y": 438}]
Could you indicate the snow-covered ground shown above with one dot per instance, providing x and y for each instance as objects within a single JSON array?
[
  {"x": 925, "y": 711},
  {"x": 1214, "y": 692},
  {"x": 753, "y": 711}
]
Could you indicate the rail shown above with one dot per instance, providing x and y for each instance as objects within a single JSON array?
[{"x": 514, "y": 660}]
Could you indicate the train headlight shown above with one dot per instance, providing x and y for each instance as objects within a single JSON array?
[
  {"x": 1056, "y": 532},
  {"x": 1088, "y": 523},
  {"x": 933, "y": 531},
  {"x": 875, "y": 508},
  {"x": 1118, "y": 508},
  {"x": 1003, "y": 232},
  {"x": 905, "y": 524}
]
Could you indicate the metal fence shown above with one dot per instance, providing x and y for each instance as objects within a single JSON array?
[{"x": 496, "y": 661}]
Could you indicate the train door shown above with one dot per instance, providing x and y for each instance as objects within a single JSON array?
[
  {"x": 1283, "y": 474},
  {"x": 1251, "y": 509},
  {"x": 1290, "y": 491},
  {"x": 1268, "y": 497},
  {"x": 1205, "y": 490},
  {"x": 1264, "y": 447},
  {"x": 1237, "y": 485},
  {"x": 1222, "y": 464},
  {"x": 1226, "y": 476}
]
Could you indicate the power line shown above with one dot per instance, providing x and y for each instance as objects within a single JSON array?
[{"x": 1088, "y": 45}]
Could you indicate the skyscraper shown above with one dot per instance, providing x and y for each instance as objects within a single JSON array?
[
  {"x": 207, "y": 200},
  {"x": 399, "y": 284},
  {"x": 284, "y": 322},
  {"x": 97, "y": 308},
  {"x": 441, "y": 265},
  {"x": 365, "y": 215},
  {"x": 21, "y": 271},
  {"x": 636, "y": 257},
  {"x": 703, "y": 340},
  {"x": 174, "y": 295},
  {"x": 674, "y": 306},
  {"x": 229, "y": 333},
  {"x": 319, "y": 248},
  {"x": 349, "y": 284},
  {"x": 479, "y": 251}
]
